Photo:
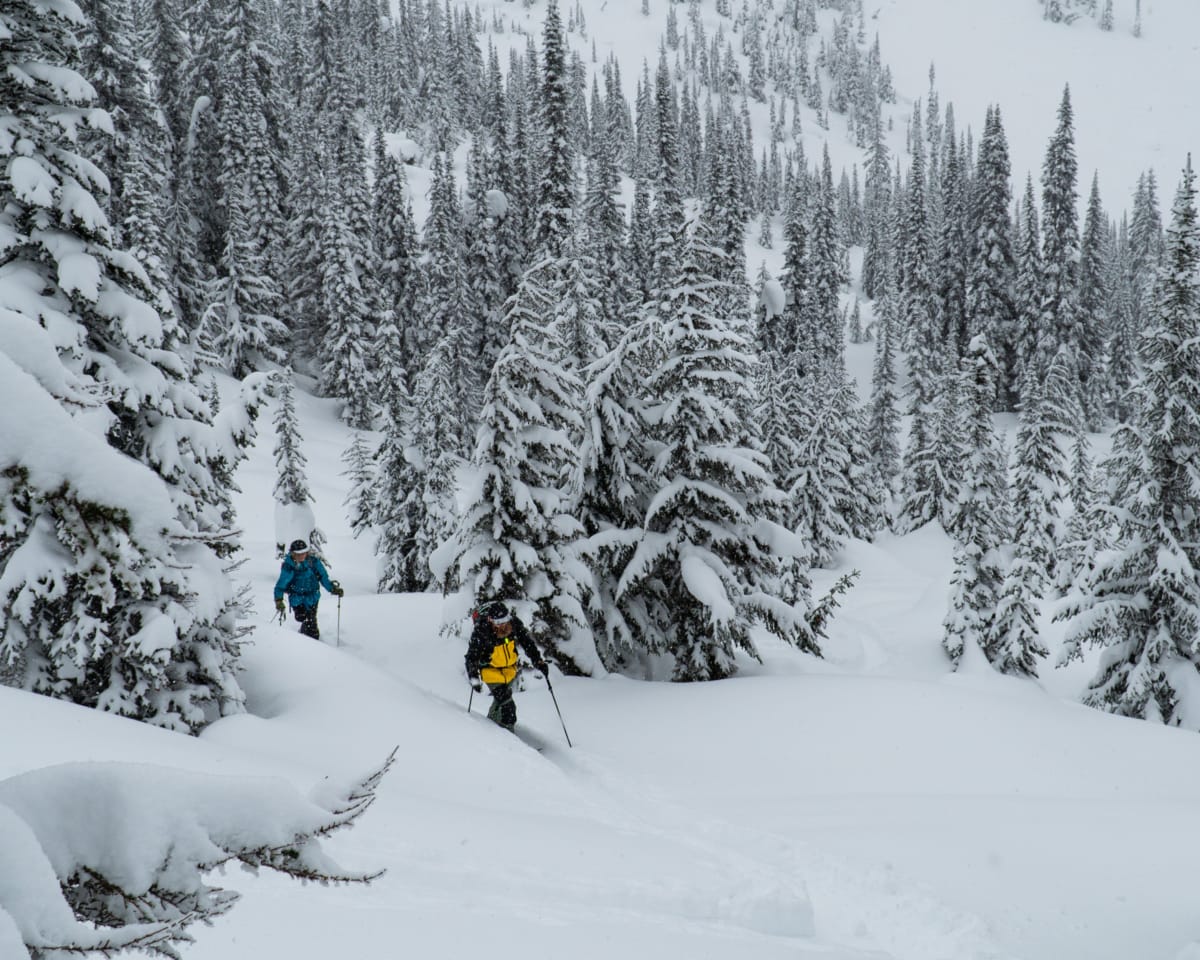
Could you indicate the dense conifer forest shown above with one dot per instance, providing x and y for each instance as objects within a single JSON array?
[{"x": 551, "y": 394}]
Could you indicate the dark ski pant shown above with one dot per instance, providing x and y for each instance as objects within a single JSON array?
[
  {"x": 504, "y": 708},
  {"x": 308, "y": 621}
]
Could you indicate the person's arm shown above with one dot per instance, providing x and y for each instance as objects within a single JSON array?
[
  {"x": 526, "y": 643},
  {"x": 323, "y": 576},
  {"x": 285, "y": 578},
  {"x": 476, "y": 657}
]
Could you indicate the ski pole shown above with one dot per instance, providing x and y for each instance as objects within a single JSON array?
[
  {"x": 339, "y": 624},
  {"x": 560, "y": 718},
  {"x": 470, "y": 699}
]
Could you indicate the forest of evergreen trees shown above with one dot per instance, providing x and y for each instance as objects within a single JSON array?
[{"x": 650, "y": 453}]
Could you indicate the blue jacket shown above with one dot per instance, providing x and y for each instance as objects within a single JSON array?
[{"x": 302, "y": 581}]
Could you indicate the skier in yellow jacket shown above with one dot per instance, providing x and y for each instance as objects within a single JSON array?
[{"x": 492, "y": 658}]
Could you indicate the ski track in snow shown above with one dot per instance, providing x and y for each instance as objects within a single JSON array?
[{"x": 768, "y": 885}]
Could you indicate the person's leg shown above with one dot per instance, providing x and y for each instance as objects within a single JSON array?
[
  {"x": 503, "y": 710},
  {"x": 308, "y": 621}
]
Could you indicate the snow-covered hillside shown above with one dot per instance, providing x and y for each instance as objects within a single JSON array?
[
  {"x": 869, "y": 805},
  {"x": 873, "y": 803},
  {"x": 1135, "y": 108},
  {"x": 1134, "y": 104}
]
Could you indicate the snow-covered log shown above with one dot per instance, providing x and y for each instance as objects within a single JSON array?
[{"x": 97, "y": 858}]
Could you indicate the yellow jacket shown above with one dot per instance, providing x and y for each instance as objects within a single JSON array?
[{"x": 502, "y": 668}]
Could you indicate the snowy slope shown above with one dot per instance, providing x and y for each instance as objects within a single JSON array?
[
  {"x": 1134, "y": 98},
  {"x": 867, "y": 805}
]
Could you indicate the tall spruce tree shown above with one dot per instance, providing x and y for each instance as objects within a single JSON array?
[
  {"x": 348, "y": 294},
  {"x": 1047, "y": 420},
  {"x": 1029, "y": 287},
  {"x": 1015, "y": 645},
  {"x": 702, "y": 575},
  {"x": 516, "y": 536},
  {"x": 241, "y": 326},
  {"x": 360, "y": 470},
  {"x": 877, "y": 213},
  {"x": 953, "y": 246},
  {"x": 1093, "y": 300},
  {"x": 883, "y": 414},
  {"x": 613, "y": 489},
  {"x": 975, "y": 521},
  {"x": 668, "y": 217},
  {"x": 445, "y": 304},
  {"x": 291, "y": 478},
  {"x": 992, "y": 273},
  {"x": 604, "y": 223},
  {"x": 400, "y": 509},
  {"x": 921, "y": 488},
  {"x": 556, "y": 188},
  {"x": 820, "y": 490},
  {"x": 1060, "y": 247},
  {"x": 395, "y": 237}
]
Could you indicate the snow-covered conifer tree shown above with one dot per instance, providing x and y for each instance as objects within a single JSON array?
[
  {"x": 401, "y": 512},
  {"x": 877, "y": 202},
  {"x": 1040, "y": 484},
  {"x": 360, "y": 468},
  {"x": 992, "y": 272},
  {"x": 1014, "y": 644},
  {"x": 1060, "y": 247},
  {"x": 975, "y": 521},
  {"x": 702, "y": 574},
  {"x": 1092, "y": 322},
  {"x": 348, "y": 295},
  {"x": 1029, "y": 287},
  {"x": 920, "y": 487},
  {"x": 515, "y": 538},
  {"x": 826, "y": 275},
  {"x": 556, "y": 194},
  {"x": 444, "y": 304},
  {"x": 578, "y": 311},
  {"x": 437, "y": 439},
  {"x": 395, "y": 247},
  {"x": 819, "y": 490},
  {"x": 1087, "y": 526},
  {"x": 641, "y": 241},
  {"x": 240, "y": 325},
  {"x": 604, "y": 223},
  {"x": 952, "y": 250},
  {"x": 613, "y": 488},
  {"x": 883, "y": 415},
  {"x": 782, "y": 332},
  {"x": 110, "y": 64},
  {"x": 291, "y": 479},
  {"x": 668, "y": 217}
]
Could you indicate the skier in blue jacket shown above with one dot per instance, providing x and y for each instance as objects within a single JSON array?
[{"x": 301, "y": 578}]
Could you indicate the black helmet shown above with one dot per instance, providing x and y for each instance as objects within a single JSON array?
[
  {"x": 298, "y": 546},
  {"x": 495, "y": 611}
]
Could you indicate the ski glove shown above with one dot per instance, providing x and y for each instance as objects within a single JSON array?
[
  {"x": 337, "y": 590},
  {"x": 542, "y": 667},
  {"x": 477, "y": 685},
  {"x": 279, "y": 604}
]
